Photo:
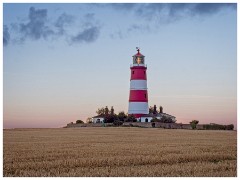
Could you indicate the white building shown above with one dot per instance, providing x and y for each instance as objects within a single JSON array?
[
  {"x": 149, "y": 117},
  {"x": 98, "y": 119}
]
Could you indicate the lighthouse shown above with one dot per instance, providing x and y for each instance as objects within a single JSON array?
[{"x": 138, "y": 97}]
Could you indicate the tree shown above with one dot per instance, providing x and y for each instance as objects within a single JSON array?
[
  {"x": 121, "y": 116},
  {"x": 110, "y": 118},
  {"x": 150, "y": 110},
  {"x": 154, "y": 109},
  {"x": 100, "y": 111},
  {"x": 160, "y": 109},
  {"x": 79, "y": 122},
  {"x": 117, "y": 123},
  {"x": 194, "y": 123},
  {"x": 89, "y": 120},
  {"x": 155, "y": 120},
  {"x": 166, "y": 119},
  {"x": 112, "y": 111},
  {"x": 230, "y": 127},
  {"x": 131, "y": 118},
  {"x": 106, "y": 111}
]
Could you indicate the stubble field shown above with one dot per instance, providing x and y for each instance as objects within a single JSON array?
[{"x": 119, "y": 151}]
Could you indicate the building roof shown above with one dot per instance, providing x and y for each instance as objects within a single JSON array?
[
  {"x": 99, "y": 116},
  {"x": 157, "y": 115},
  {"x": 165, "y": 114},
  {"x": 138, "y": 54},
  {"x": 148, "y": 115}
]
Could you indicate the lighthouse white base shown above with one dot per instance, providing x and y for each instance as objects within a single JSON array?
[{"x": 138, "y": 108}]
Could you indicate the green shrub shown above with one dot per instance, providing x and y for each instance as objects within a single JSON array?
[
  {"x": 79, "y": 122},
  {"x": 166, "y": 119},
  {"x": 194, "y": 123},
  {"x": 117, "y": 123},
  {"x": 155, "y": 120},
  {"x": 230, "y": 127},
  {"x": 131, "y": 118},
  {"x": 218, "y": 127}
]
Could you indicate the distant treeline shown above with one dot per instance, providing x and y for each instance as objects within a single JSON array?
[{"x": 218, "y": 127}]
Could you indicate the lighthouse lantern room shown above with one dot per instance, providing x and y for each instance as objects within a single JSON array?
[{"x": 138, "y": 98}]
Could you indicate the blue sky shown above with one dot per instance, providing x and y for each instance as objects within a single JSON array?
[{"x": 63, "y": 61}]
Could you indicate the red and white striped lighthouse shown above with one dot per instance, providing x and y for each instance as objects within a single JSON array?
[{"x": 138, "y": 98}]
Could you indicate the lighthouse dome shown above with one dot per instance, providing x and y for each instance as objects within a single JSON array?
[{"x": 139, "y": 54}]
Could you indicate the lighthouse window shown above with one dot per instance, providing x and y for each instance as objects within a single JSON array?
[
  {"x": 139, "y": 60},
  {"x": 132, "y": 72},
  {"x": 145, "y": 96},
  {"x": 134, "y": 60},
  {"x": 144, "y": 72}
]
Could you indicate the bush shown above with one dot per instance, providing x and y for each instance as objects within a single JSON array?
[
  {"x": 230, "y": 127},
  {"x": 218, "y": 127},
  {"x": 79, "y": 122},
  {"x": 166, "y": 119},
  {"x": 121, "y": 116},
  {"x": 110, "y": 118},
  {"x": 117, "y": 123},
  {"x": 89, "y": 120},
  {"x": 131, "y": 118},
  {"x": 155, "y": 120},
  {"x": 194, "y": 123}
]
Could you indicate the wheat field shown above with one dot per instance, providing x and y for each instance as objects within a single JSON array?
[{"x": 119, "y": 151}]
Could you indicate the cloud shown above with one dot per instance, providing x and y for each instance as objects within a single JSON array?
[
  {"x": 90, "y": 30},
  {"x": 87, "y": 35},
  {"x": 89, "y": 16},
  {"x": 123, "y": 6},
  {"x": 148, "y": 17},
  {"x": 39, "y": 27},
  {"x": 63, "y": 20},
  {"x": 117, "y": 34},
  {"x": 173, "y": 11},
  {"x": 211, "y": 8},
  {"x": 136, "y": 27},
  {"x": 6, "y": 35},
  {"x": 155, "y": 14},
  {"x": 36, "y": 28},
  {"x": 170, "y": 12}
]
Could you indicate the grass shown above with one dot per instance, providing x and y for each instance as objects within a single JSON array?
[{"x": 123, "y": 151}]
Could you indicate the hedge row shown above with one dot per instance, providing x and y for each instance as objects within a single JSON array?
[{"x": 218, "y": 127}]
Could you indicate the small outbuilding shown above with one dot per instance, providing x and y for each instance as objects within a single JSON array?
[
  {"x": 149, "y": 117},
  {"x": 98, "y": 119}
]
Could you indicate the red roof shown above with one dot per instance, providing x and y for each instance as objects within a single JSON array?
[{"x": 138, "y": 54}]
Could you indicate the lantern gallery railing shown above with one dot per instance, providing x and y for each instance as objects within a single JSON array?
[{"x": 143, "y": 65}]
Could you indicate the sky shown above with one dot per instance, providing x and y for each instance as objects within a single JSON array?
[{"x": 61, "y": 62}]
